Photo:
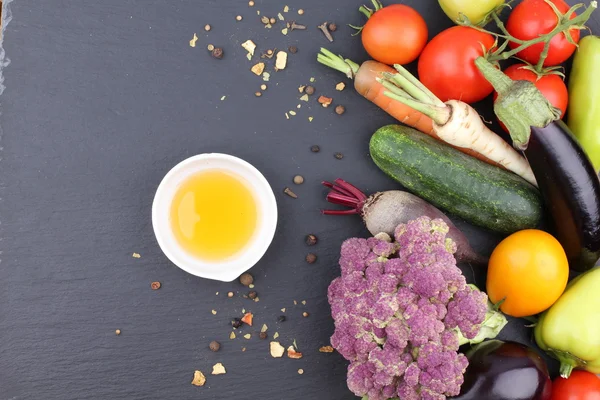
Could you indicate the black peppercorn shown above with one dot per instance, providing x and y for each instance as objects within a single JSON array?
[
  {"x": 332, "y": 27},
  {"x": 339, "y": 110},
  {"x": 339, "y": 156},
  {"x": 309, "y": 90},
  {"x": 214, "y": 346},
  {"x": 311, "y": 258},
  {"x": 217, "y": 52},
  {"x": 311, "y": 240},
  {"x": 315, "y": 149},
  {"x": 246, "y": 279},
  {"x": 281, "y": 318},
  {"x": 236, "y": 323},
  {"x": 263, "y": 335},
  {"x": 252, "y": 295},
  {"x": 293, "y": 49}
]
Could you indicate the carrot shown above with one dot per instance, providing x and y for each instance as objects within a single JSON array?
[
  {"x": 455, "y": 122},
  {"x": 365, "y": 82}
]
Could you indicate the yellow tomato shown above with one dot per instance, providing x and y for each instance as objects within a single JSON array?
[{"x": 529, "y": 270}]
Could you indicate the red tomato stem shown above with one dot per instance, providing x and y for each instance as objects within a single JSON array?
[{"x": 563, "y": 26}]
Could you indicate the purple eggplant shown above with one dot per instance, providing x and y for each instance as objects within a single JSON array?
[
  {"x": 505, "y": 371},
  {"x": 571, "y": 191}
]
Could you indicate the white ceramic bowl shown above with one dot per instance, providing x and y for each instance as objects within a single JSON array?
[{"x": 232, "y": 268}]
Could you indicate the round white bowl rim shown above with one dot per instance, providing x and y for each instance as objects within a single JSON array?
[{"x": 231, "y": 269}]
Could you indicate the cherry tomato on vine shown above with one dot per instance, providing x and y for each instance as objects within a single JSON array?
[
  {"x": 395, "y": 34},
  {"x": 581, "y": 385},
  {"x": 552, "y": 86},
  {"x": 447, "y": 65},
  {"x": 532, "y": 18}
]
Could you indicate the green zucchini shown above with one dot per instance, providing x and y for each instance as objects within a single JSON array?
[{"x": 480, "y": 193}]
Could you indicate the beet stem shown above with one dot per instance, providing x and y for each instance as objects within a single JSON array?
[
  {"x": 351, "y": 188},
  {"x": 336, "y": 198},
  {"x": 337, "y": 189},
  {"x": 339, "y": 212}
]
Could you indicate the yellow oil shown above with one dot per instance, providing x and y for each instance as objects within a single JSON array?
[{"x": 214, "y": 215}]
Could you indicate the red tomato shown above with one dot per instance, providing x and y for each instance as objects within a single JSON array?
[
  {"x": 396, "y": 34},
  {"x": 552, "y": 86},
  {"x": 447, "y": 65},
  {"x": 533, "y": 18},
  {"x": 581, "y": 385}
]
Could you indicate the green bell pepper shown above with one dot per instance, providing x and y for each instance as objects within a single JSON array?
[
  {"x": 570, "y": 330},
  {"x": 584, "y": 97}
]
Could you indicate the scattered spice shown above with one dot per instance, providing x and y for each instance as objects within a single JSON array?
[
  {"x": 272, "y": 21},
  {"x": 199, "y": 378},
  {"x": 339, "y": 156},
  {"x": 218, "y": 369},
  {"x": 243, "y": 349},
  {"x": 223, "y": 98},
  {"x": 340, "y": 86},
  {"x": 305, "y": 314},
  {"x": 251, "y": 286},
  {"x": 194, "y": 40},
  {"x": 263, "y": 87},
  {"x": 252, "y": 295},
  {"x": 326, "y": 349},
  {"x": 325, "y": 101},
  {"x": 281, "y": 318},
  {"x": 264, "y": 328},
  {"x": 310, "y": 90},
  {"x": 332, "y": 27},
  {"x": 276, "y": 335},
  {"x": 251, "y": 3},
  {"x": 298, "y": 180},
  {"x": 236, "y": 323},
  {"x": 311, "y": 258},
  {"x": 283, "y": 310},
  {"x": 281, "y": 60},
  {"x": 284, "y": 31},
  {"x": 257, "y": 94},
  {"x": 264, "y": 19},
  {"x": 118, "y": 332},
  {"x": 292, "y": 353},
  {"x": 293, "y": 25},
  {"x": 263, "y": 335},
  {"x": 246, "y": 279},
  {"x": 247, "y": 336},
  {"x": 155, "y": 285},
  {"x": 136, "y": 255},
  {"x": 292, "y": 112},
  {"x": 311, "y": 240},
  {"x": 286, "y": 9},
  {"x": 310, "y": 119},
  {"x": 325, "y": 30},
  {"x": 210, "y": 47},
  {"x": 315, "y": 149},
  {"x": 289, "y": 192},
  {"x": 301, "y": 88},
  {"x": 300, "y": 11},
  {"x": 312, "y": 79},
  {"x": 247, "y": 318},
  {"x": 339, "y": 110},
  {"x": 217, "y": 53},
  {"x": 207, "y": 27},
  {"x": 277, "y": 350},
  {"x": 300, "y": 371},
  {"x": 280, "y": 17},
  {"x": 249, "y": 46},
  {"x": 232, "y": 335},
  {"x": 214, "y": 346},
  {"x": 304, "y": 97},
  {"x": 258, "y": 68},
  {"x": 266, "y": 76},
  {"x": 238, "y": 18},
  {"x": 214, "y": 312},
  {"x": 230, "y": 294},
  {"x": 293, "y": 49},
  {"x": 304, "y": 302},
  {"x": 295, "y": 303}
]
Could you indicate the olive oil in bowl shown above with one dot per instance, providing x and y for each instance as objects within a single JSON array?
[{"x": 214, "y": 215}]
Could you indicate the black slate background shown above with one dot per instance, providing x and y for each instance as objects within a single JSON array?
[{"x": 101, "y": 100}]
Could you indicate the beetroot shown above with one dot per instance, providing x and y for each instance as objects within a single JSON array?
[{"x": 382, "y": 212}]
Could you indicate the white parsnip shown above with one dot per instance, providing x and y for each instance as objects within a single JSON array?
[{"x": 456, "y": 123}]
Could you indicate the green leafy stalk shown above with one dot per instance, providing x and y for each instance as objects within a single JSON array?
[
  {"x": 367, "y": 12},
  {"x": 520, "y": 105},
  {"x": 339, "y": 63}
]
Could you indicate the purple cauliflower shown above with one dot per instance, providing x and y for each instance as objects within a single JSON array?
[{"x": 401, "y": 310}]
